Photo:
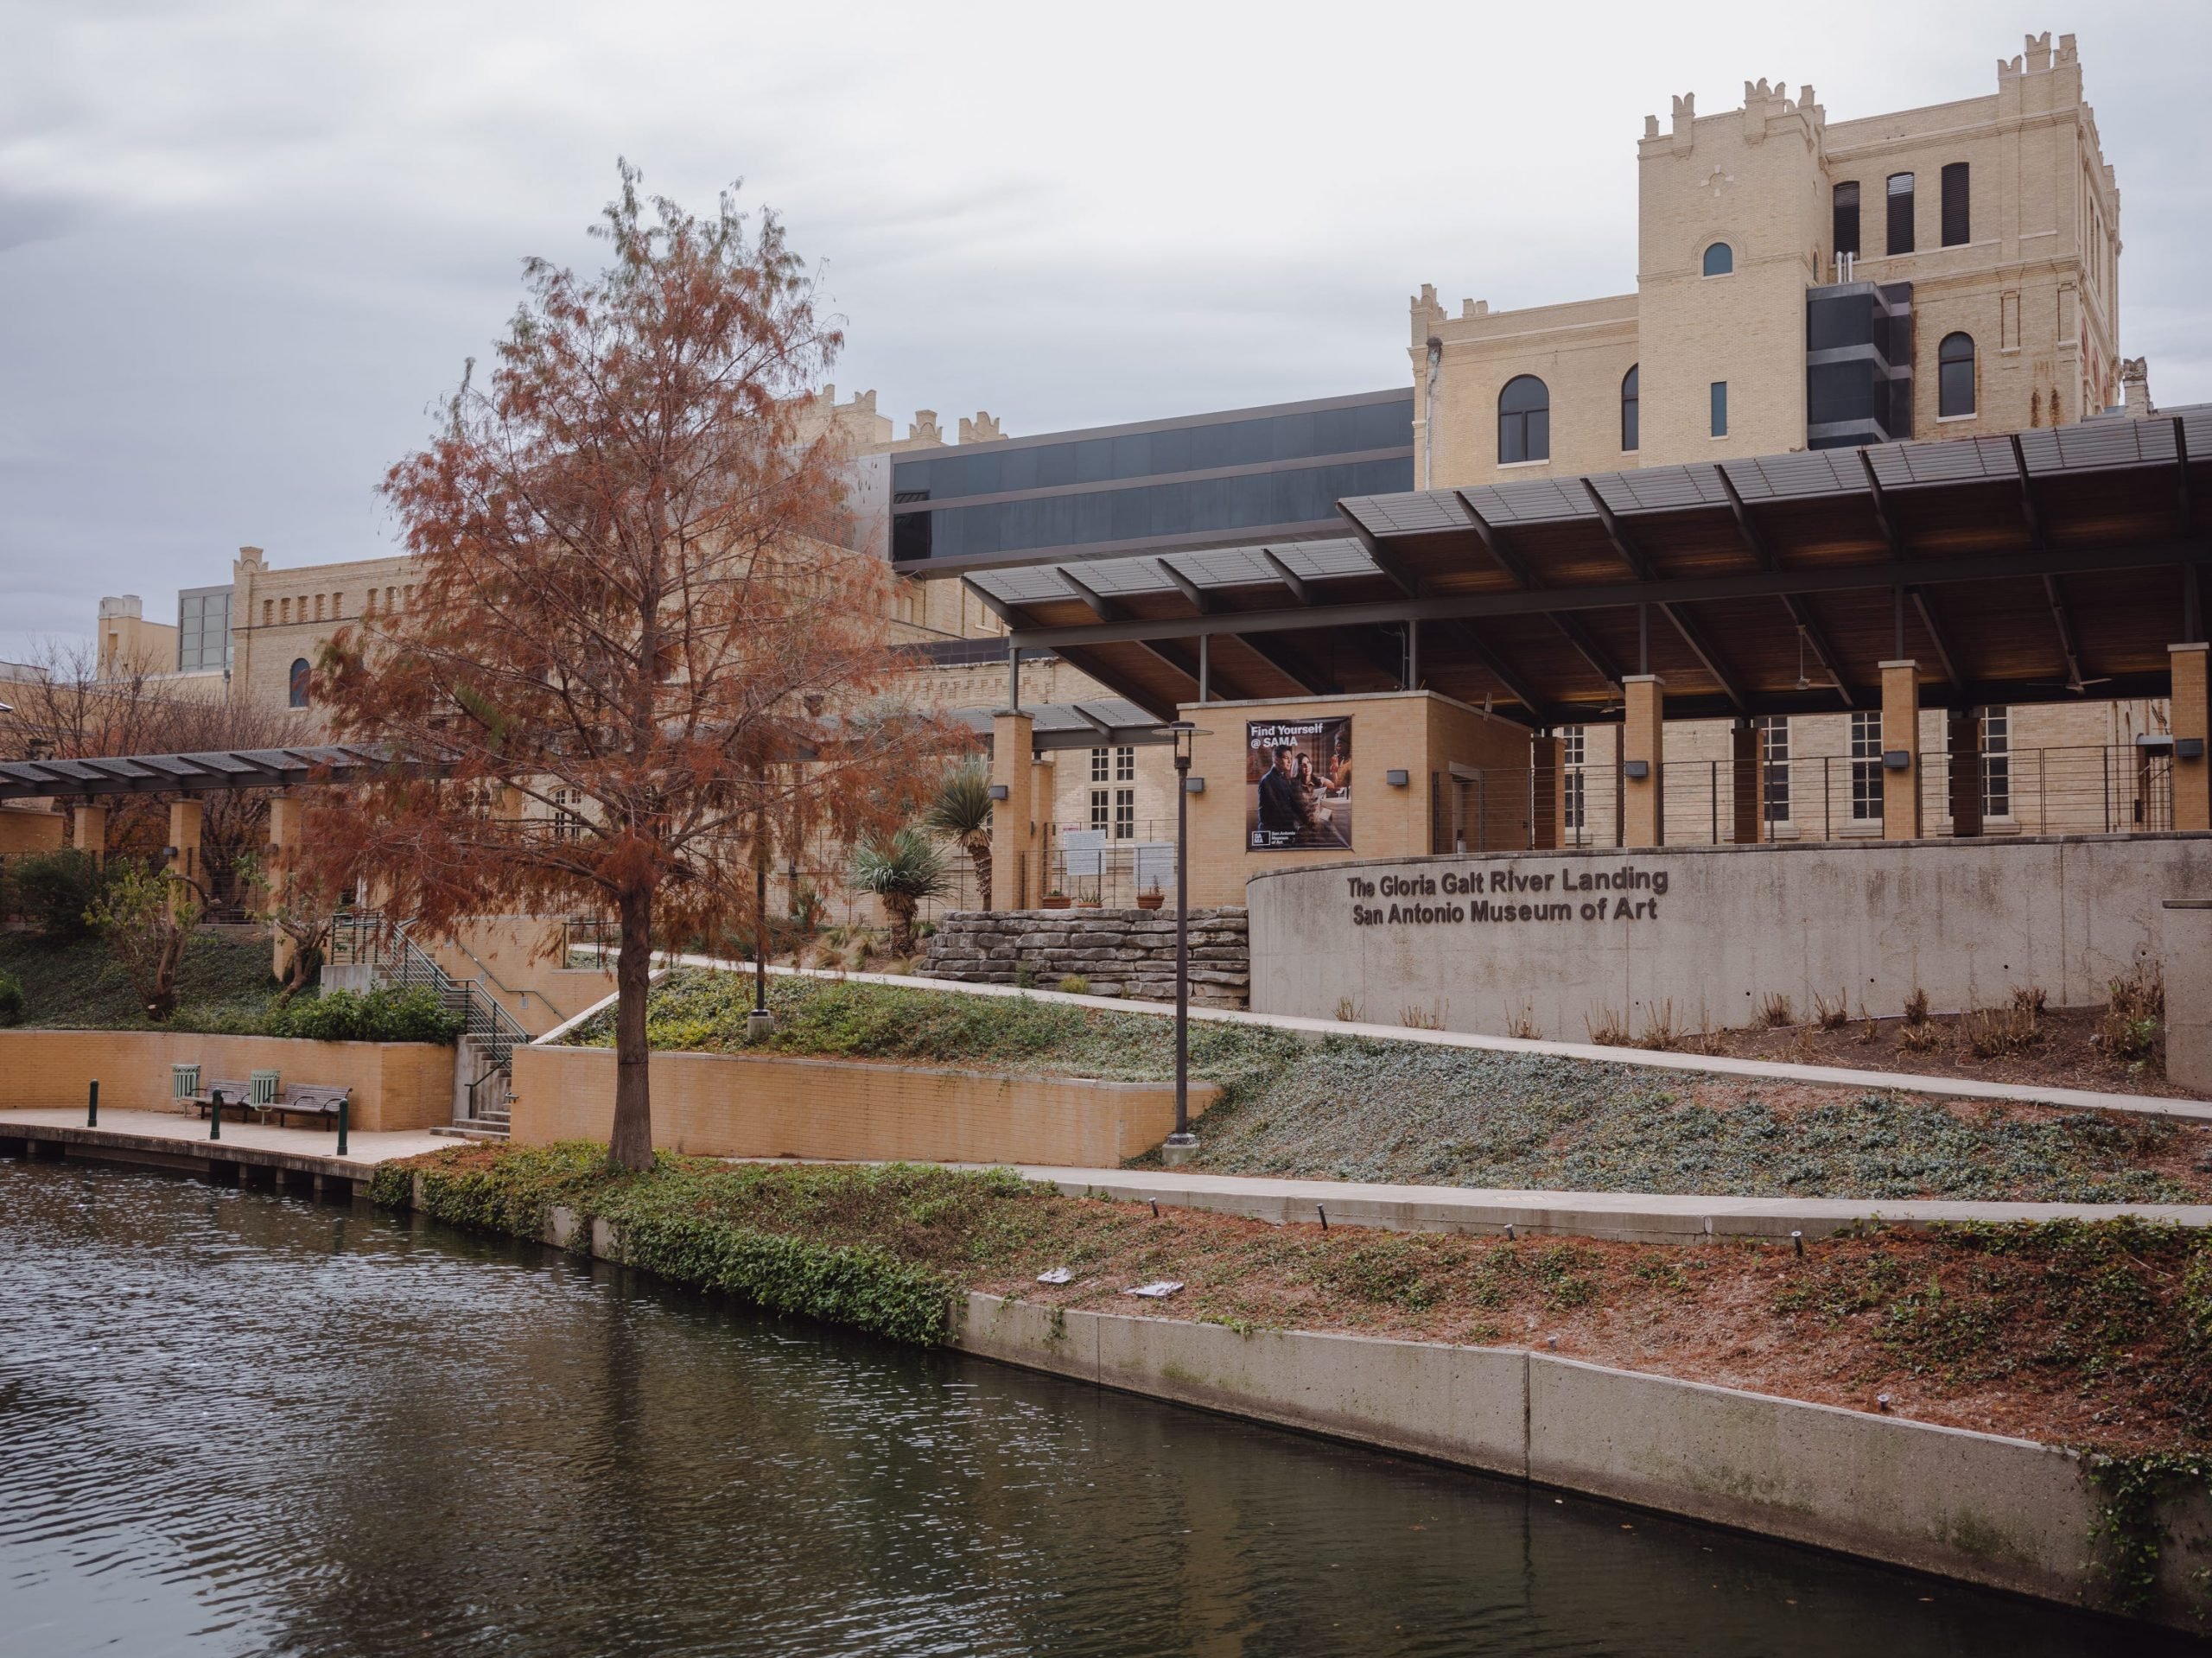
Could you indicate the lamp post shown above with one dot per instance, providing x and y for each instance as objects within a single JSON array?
[{"x": 1182, "y": 1145}]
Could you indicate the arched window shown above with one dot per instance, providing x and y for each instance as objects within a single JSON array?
[
  {"x": 1628, "y": 433},
  {"x": 1719, "y": 259},
  {"x": 299, "y": 683},
  {"x": 1955, "y": 375},
  {"x": 1524, "y": 421}
]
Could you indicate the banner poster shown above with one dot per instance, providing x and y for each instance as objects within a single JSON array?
[{"x": 1298, "y": 783}]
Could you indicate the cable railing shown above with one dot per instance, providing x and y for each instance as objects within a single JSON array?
[{"x": 2114, "y": 789}]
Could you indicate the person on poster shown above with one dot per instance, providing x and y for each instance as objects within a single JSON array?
[{"x": 1283, "y": 811}]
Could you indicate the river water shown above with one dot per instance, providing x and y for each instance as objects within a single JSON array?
[{"x": 234, "y": 1422}]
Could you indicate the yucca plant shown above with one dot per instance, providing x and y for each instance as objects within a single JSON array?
[
  {"x": 901, "y": 871},
  {"x": 960, "y": 810}
]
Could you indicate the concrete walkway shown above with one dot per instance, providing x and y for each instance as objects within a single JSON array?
[
  {"x": 171, "y": 1135},
  {"x": 1957, "y": 1088},
  {"x": 1632, "y": 1217}
]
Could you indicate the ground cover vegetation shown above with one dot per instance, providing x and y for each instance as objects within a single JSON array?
[
  {"x": 223, "y": 987},
  {"x": 2097, "y": 1336},
  {"x": 1361, "y": 1109}
]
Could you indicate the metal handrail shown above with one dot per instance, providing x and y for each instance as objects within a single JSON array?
[{"x": 396, "y": 959}]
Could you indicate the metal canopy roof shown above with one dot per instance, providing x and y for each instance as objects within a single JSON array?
[
  {"x": 1109, "y": 722},
  {"x": 236, "y": 768},
  {"x": 2015, "y": 569}
]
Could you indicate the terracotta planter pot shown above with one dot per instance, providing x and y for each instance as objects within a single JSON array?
[
  {"x": 1151, "y": 900},
  {"x": 1057, "y": 903}
]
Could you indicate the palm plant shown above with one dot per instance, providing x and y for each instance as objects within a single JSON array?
[
  {"x": 901, "y": 871},
  {"x": 961, "y": 810}
]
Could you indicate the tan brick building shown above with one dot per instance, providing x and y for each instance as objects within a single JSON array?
[{"x": 1984, "y": 236}]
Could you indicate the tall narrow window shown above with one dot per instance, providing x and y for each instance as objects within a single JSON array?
[
  {"x": 1957, "y": 219},
  {"x": 1524, "y": 421},
  {"x": 1866, "y": 765},
  {"x": 1955, "y": 375},
  {"x": 1573, "y": 749},
  {"x": 1719, "y": 259},
  {"x": 1629, "y": 410},
  {"x": 1996, "y": 762},
  {"x": 1125, "y": 765},
  {"x": 298, "y": 685},
  {"x": 1100, "y": 758},
  {"x": 1101, "y": 810},
  {"x": 1720, "y": 409},
  {"x": 1846, "y": 197},
  {"x": 1125, "y": 813},
  {"x": 1900, "y": 213},
  {"x": 1774, "y": 765}
]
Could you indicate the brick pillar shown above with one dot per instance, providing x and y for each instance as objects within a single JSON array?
[
  {"x": 1014, "y": 883},
  {"x": 1547, "y": 791},
  {"x": 90, "y": 832},
  {"x": 1643, "y": 738},
  {"x": 1747, "y": 790},
  {"x": 184, "y": 837},
  {"x": 1962, "y": 730},
  {"x": 2192, "y": 773},
  {"x": 286, "y": 817},
  {"x": 1901, "y": 730}
]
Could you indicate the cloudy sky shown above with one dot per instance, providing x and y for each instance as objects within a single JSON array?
[{"x": 244, "y": 245}]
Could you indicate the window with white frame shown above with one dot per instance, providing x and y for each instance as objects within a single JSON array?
[
  {"x": 1997, "y": 762},
  {"x": 1102, "y": 810},
  {"x": 1125, "y": 765},
  {"x": 1102, "y": 763},
  {"x": 1774, "y": 764},
  {"x": 1866, "y": 765},
  {"x": 1125, "y": 813},
  {"x": 1574, "y": 750}
]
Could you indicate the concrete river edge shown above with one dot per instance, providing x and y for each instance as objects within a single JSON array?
[
  {"x": 1979, "y": 1507},
  {"x": 1983, "y": 1509}
]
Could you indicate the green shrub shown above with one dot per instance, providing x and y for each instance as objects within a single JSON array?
[
  {"x": 11, "y": 1000},
  {"x": 53, "y": 890},
  {"x": 392, "y": 1014}
]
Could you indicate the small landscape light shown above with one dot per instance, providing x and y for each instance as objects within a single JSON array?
[
  {"x": 1797, "y": 1242},
  {"x": 1156, "y": 1209},
  {"x": 1508, "y": 1231},
  {"x": 1324, "y": 1214},
  {"x": 1882, "y": 1402}
]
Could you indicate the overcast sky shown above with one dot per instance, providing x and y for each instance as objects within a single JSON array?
[{"x": 243, "y": 246}]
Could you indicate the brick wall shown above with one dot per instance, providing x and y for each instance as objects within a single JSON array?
[
  {"x": 1121, "y": 952},
  {"x": 395, "y": 1085},
  {"x": 759, "y": 1105}
]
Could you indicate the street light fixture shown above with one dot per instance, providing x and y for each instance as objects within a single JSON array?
[{"x": 1183, "y": 1145}]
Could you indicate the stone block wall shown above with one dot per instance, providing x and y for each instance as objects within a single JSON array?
[{"x": 1121, "y": 952}]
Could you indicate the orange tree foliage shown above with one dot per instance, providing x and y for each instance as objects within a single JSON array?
[{"x": 637, "y": 653}]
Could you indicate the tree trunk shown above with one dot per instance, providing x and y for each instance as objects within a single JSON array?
[
  {"x": 901, "y": 908},
  {"x": 632, "y": 1145},
  {"x": 979, "y": 854}
]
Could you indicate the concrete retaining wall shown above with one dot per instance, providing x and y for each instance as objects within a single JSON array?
[
  {"x": 1703, "y": 935},
  {"x": 395, "y": 1085},
  {"x": 1121, "y": 952},
  {"x": 2002, "y": 1512},
  {"x": 763, "y": 1105}
]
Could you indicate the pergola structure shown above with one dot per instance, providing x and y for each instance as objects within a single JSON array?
[
  {"x": 2025, "y": 569},
  {"x": 204, "y": 773}
]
